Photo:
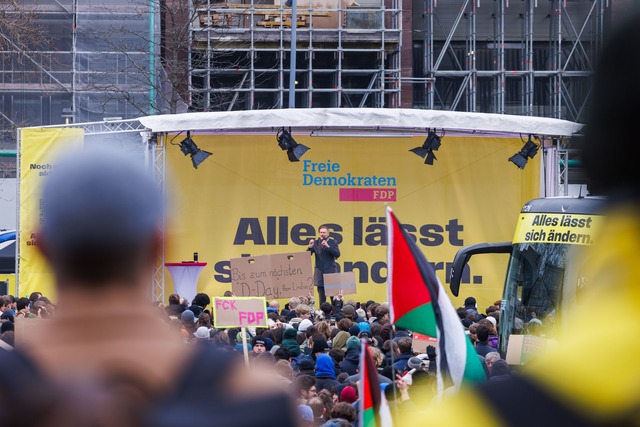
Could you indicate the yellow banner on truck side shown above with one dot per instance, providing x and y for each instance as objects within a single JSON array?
[
  {"x": 572, "y": 229},
  {"x": 38, "y": 150},
  {"x": 248, "y": 199}
]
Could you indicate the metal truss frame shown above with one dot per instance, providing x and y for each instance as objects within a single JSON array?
[{"x": 569, "y": 56}]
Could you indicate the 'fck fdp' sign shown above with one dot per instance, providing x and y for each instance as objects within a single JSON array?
[{"x": 236, "y": 312}]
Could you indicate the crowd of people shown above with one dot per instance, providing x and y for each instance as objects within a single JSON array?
[{"x": 315, "y": 353}]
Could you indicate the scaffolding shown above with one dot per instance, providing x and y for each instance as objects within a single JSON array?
[
  {"x": 92, "y": 62},
  {"x": 530, "y": 57},
  {"x": 348, "y": 54}
]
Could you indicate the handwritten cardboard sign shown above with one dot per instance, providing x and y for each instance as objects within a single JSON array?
[
  {"x": 336, "y": 283},
  {"x": 272, "y": 276},
  {"x": 421, "y": 342},
  {"x": 236, "y": 312},
  {"x": 523, "y": 348}
]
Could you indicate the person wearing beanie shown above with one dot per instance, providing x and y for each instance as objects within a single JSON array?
[
  {"x": 306, "y": 367},
  {"x": 188, "y": 320},
  {"x": 348, "y": 311},
  {"x": 351, "y": 360},
  {"x": 259, "y": 344},
  {"x": 202, "y": 334},
  {"x": 290, "y": 343},
  {"x": 364, "y": 327},
  {"x": 320, "y": 346},
  {"x": 269, "y": 344},
  {"x": 325, "y": 374},
  {"x": 354, "y": 330},
  {"x": 238, "y": 345},
  {"x": 303, "y": 325},
  {"x": 348, "y": 395}
]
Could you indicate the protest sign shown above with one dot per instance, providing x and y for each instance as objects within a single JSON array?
[
  {"x": 272, "y": 276},
  {"x": 236, "y": 312},
  {"x": 340, "y": 283},
  {"x": 523, "y": 348}
]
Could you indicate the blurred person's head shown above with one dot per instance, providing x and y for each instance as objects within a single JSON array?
[
  {"x": 284, "y": 369},
  {"x": 382, "y": 313},
  {"x": 293, "y": 303},
  {"x": 283, "y": 353},
  {"x": 22, "y": 304},
  {"x": 102, "y": 223},
  {"x": 324, "y": 328},
  {"x": 5, "y": 303},
  {"x": 405, "y": 346},
  {"x": 612, "y": 117},
  {"x": 201, "y": 300},
  {"x": 305, "y": 386},
  {"x": 303, "y": 311},
  {"x": 490, "y": 359},
  {"x": 327, "y": 398},
  {"x": 371, "y": 309},
  {"x": 204, "y": 320},
  {"x": 482, "y": 332},
  {"x": 337, "y": 354},
  {"x": 489, "y": 325},
  {"x": 345, "y": 324},
  {"x": 344, "y": 410},
  {"x": 378, "y": 357},
  {"x": 34, "y": 296},
  {"x": 318, "y": 407}
]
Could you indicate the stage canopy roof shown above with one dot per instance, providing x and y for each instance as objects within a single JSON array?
[{"x": 364, "y": 120}]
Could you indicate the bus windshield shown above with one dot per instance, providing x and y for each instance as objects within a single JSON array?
[{"x": 533, "y": 290}]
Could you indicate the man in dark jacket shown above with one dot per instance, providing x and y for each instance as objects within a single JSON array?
[
  {"x": 326, "y": 251},
  {"x": 405, "y": 352},
  {"x": 482, "y": 346},
  {"x": 352, "y": 358}
]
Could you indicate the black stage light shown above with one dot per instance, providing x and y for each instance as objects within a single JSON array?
[
  {"x": 528, "y": 151},
  {"x": 286, "y": 142},
  {"x": 431, "y": 144},
  {"x": 188, "y": 147}
]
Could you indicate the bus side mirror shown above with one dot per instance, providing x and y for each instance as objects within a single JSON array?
[{"x": 464, "y": 254}]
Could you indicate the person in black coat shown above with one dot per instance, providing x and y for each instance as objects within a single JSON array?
[{"x": 326, "y": 251}]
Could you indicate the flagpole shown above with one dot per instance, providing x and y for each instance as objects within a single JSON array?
[{"x": 394, "y": 414}]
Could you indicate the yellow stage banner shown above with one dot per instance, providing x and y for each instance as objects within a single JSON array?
[
  {"x": 248, "y": 199},
  {"x": 38, "y": 150}
]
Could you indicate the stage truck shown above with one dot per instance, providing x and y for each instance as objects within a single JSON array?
[{"x": 544, "y": 275}]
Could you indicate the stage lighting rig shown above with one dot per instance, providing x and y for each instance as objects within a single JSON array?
[
  {"x": 188, "y": 147},
  {"x": 431, "y": 144},
  {"x": 288, "y": 144},
  {"x": 528, "y": 151}
]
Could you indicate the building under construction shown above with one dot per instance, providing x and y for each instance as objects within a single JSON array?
[
  {"x": 530, "y": 57},
  {"x": 112, "y": 58}
]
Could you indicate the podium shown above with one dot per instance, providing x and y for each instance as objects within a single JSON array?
[{"x": 185, "y": 277}]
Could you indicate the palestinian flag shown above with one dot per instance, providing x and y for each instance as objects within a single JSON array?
[
  {"x": 374, "y": 411},
  {"x": 418, "y": 302}
]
